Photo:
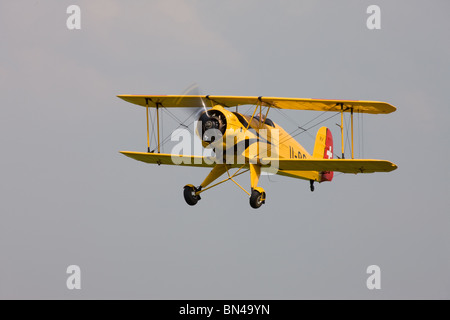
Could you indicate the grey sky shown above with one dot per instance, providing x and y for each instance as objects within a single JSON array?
[{"x": 68, "y": 196}]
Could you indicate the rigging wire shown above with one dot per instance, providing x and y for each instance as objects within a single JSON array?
[
  {"x": 174, "y": 116},
  {"x": 291, "y": 137},
  {"x": 287, "y": 117},
  {"x": 349, "y": 149},
  {"x": 152, "y": 123},
  {"x": 270, "y": 180},
  {"x": 301, "y": 127},
  {"x": 248, "y": 110},
  {"x": 181, "y": 124}
]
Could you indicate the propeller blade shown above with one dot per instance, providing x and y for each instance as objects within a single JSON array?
[{"x": 194, "y": 90}]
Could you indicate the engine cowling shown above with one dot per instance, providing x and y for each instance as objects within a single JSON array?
[{"x": 211, "y": 126}]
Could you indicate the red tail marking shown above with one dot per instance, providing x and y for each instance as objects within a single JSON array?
[{"x": 328, "y": 154}]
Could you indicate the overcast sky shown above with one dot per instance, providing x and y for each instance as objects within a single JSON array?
[{"x": 68, "y": 197}]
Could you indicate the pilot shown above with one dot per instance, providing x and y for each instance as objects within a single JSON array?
[
  {"x": 265, "y": 120},
  {"x": 261, "y": 117}
]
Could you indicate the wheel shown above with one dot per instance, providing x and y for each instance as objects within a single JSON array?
[
  {"x": 190, "y": 196},
  {"x": 311, "y": 185},
  {"x": 257, "y": 199}
]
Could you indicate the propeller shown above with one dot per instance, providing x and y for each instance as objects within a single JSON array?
[{"x": 194, "y": 90}]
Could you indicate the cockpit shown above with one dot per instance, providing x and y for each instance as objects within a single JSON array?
[{"x": 263, "y": 119}]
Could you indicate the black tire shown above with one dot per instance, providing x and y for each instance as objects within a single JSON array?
[
  {"x": 256, "y": 199},
  {"x": 189, "y": 195}
]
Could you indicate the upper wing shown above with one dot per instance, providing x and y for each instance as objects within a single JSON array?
[
  {"x": 167, "y": 101},
  {"x": 359, "y": 106},
  {"x": 169, "y": 159},
  {"x": 191, "y": 101},
  {"x": 339, "y": 165}
]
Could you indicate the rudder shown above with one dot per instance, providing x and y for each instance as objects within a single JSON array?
[{"x": 323, "y": 149}]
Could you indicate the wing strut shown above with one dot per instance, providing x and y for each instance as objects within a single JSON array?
[
  {"x": 157, "y": 125},
  {"x": 253, "y": 115},
  {"x": 148, "y": 125},
  {"x": 148, "y": 130},
  {"x": 351, "y": 116},
  {"x": 342, "y": 129}
]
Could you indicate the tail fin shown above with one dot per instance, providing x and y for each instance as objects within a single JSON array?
[{"x": 323, "y": 149}]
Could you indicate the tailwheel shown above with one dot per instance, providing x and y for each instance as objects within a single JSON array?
[
  {"x": 257, "y": 198},
  {"x": 190, "y": 196},
  {"x": 311, "y": 185}
]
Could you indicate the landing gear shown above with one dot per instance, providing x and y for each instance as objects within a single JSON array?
[
  {"x": 190, "y": 196},
  {"x": 257, "y": 198},
  {"x": 257, "y": 195},
  {"x": 311, "y": 185}
]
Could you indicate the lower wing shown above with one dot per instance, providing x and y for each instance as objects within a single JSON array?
[
  {"x": 170, "y": 159},
  {"x": 338, "y": 165}
]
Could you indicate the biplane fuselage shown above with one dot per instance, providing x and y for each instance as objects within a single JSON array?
[
  {"x": 255, "y": 143},
  {"x": 248, "y": 128}
]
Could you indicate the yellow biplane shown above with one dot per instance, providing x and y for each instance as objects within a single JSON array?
[{"x": 255, "y": 143}]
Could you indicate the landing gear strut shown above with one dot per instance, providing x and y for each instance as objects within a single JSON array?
[
  {"x": 257, "y": 195},
  {"x": 311, "y": 185},
  {"x": 190, "y": 196}
]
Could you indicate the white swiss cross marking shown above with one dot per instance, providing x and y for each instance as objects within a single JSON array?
[{"x": 330, "y": 153}]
